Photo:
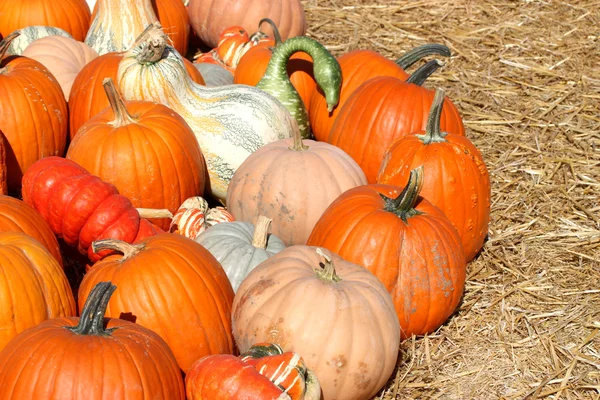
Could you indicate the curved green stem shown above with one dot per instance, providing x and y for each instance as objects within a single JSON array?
[
  {"x": 276, "y": 34},
  {"x": 91, "y": 321},
  {"x": 327, "y": 273},
  {"x": 433, "y": 133},
  {"x": 326, "y": 70},
  {"x": 416, "y": 54},
  {"x": 404, "y": 205},
  {"x": 423, "y": 72}
]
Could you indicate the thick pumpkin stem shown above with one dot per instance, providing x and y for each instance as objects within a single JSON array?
[
  {"x": 261, "y": 232},
  {"x": 91, "y": 321},
  {"x": 276, "y": 34},
  {"x": 416, "y": 54},
  {"x": 154, "y": 213},
  {"x": 327, "y": 273},
  {"x": 6, "y": 43},
  {"x": 151, "y": 44},
  {"x": 122, "y": 116},
  {"x": 433, "y": 134},
  {"x": 404, "y": 205},
  {"x": 423, "y": 72},
  {"x": 128, "y": 250}
]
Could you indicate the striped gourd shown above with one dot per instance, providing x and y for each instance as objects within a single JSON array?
[
  {"x": 326, "y": 70},
  {"x": 230, "y": 122},
  {"x": 31, "y": 33}
]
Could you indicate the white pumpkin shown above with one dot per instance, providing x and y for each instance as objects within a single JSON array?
[
  {"x": 30, "y": 33},
  {"x": 230, "y": 122},
  {"x": 240, "y": 246}
]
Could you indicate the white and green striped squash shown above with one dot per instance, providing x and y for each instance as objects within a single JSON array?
[
  {"x": 230, "y": 122},
  {"x": 31, "y": 33}
]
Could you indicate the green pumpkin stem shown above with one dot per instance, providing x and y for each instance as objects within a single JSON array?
[
  {"x": 327, "y": 271},
  {"x": 326, "y": 71},
  {"x": 261, "y": 232},
  {"x": 122, "y": 116},
  {"x": 416, "y": 54},
  {"x": 91, "y": 321},
  {"x": 404, "y": 205},
  {"x": 423, "y": 72},
  {"x": 433, "y": 134},
  {"x": 127, "y": 249},
  {"x": 276, "y": 34},
  {"x": 5, "y": 43}
]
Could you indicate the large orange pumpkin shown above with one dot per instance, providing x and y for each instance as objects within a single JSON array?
[
  {"x": 407, "y": 242},
  {"x": 34, "y": 287},
  {"x": 457, "y": 180},
  {"x": 18, "y": 216},
  {"x": 72, "y": 16},
  {"x": 148, "y": 152},
  {"x": 382, "y": 110},
  {"x": 88, "y": 98},
  {"x": 83, "y": 359},
  {"x": 33, "y": 113},
  {"x": 358, "y": 66},
  {"x": 173, "y": 286}
]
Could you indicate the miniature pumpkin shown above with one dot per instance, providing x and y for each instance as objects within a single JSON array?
[
  {"x": 269, "y": 183},
  {"x": 358, "y": 66},
  {"x": 72, "y": 16},
  {"x": 209, "y": 17},
  {"x": 278, "y": 303},
  {"x": 34, "y": 121},
  {"x": 139, "y": 146},
  {"x": 18, "y": 216},
  {"x": 88, "y": 97},
  {"x": 31, "y": 33},
  {"x": 64, "y": 58},
  {"x": 194, "y": 216},
  {"x": 81, "y": 358},
  {"x": 229, "y": 122},
  {"x": 457, "y": 181},
  {"x": 240, "y": 246},
  {"x": 185, "y": 296},
  {"x": 382, "y": 110},
  {"x": 264, "y": 372},
  {"x": 34, "y": 287},
  {"x": 407, "y": 242}
]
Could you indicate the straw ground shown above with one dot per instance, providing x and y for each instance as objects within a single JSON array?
[{"x": 526, "y": 77}]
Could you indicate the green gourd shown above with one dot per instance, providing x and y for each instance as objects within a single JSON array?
[{"x": 326, "y": 70}]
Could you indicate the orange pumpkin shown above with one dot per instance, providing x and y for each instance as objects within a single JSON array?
[
  {"x": 82, "y": 359},
  {"x": 407, "y": 242},
  {"x": 457, "y": 180},
  {"x": 34, "y": 287},
  {"x": 72, "y": 16},
  {"x": 253, "y": 65},
  {"x": 139, "y": 146},
  {"x": 382, "y": 110},
  {"x": 35, "y": 119},
  {"x": 88, "y": 97},
  {"x": 18, "y": 216},
  {"x": 173, "y": 286},
  {"x": 358, "y": 66}
]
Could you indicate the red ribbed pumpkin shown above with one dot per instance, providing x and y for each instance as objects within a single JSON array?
[
  {"x": 173, "y": 286},
  {"x": 33, "y": 113},
  {"x": 72, "y": 16},
  {"x": 382, "y": 110},
  {"x": 358, "y": 66},
  {"x": 148, "y": 152},
  {"x": 404, "y": 240},
  {"x": 457, "y": 180},
  {"x": 18, "y": 216}
]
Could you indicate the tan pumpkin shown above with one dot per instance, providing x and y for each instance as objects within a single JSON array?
[
  {"x": 272, "y": 181},
  {"x": 64, "y": 58},
  {"x": 335, "y": 314}
]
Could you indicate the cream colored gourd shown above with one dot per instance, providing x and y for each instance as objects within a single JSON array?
[
  {"x": 230, "y": 122},
  {"x": 118, "y": 23},
  {"x": 31, "y": 33},
  {"x": 64, "y": 57}
]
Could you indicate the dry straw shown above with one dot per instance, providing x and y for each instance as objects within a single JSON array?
[{"x": 526, "y": 76}]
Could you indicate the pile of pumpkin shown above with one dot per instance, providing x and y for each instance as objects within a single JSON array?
[{"x": 256, "y": 224}]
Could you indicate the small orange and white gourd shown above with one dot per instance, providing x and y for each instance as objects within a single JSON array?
[{"x": 194, "y": 216}]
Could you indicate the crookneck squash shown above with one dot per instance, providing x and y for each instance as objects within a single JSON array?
[
  {"x": 229, "y": 122},
  {"x": 326, "y": 71},
  {"x": 30, "y": 33},
  {"x": 457, "y": 182}
]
